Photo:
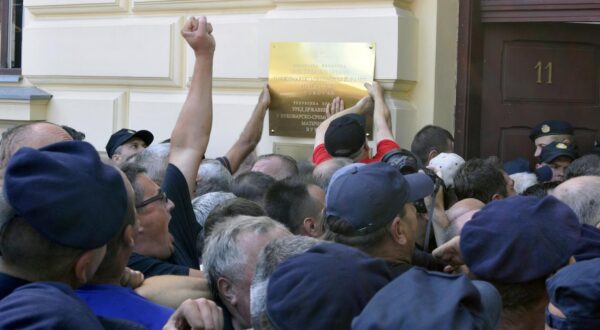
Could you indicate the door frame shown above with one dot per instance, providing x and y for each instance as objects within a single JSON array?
[{"x": 473, "y": 14}]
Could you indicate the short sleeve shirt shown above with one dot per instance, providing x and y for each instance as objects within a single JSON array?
[{"x": 320, "y": 154}]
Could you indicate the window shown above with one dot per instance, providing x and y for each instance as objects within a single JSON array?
[{"x": 11, "y": 22}]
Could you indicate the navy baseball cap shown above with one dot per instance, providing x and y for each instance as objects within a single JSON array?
[
  {"x": 518, "y": 165},
  {"x": 67, "y": 194},
  {"x": 574, "y": 290},
  {"x": 436, "y": 300},
  {"x": 123, "y": 135},
  {"x": 550, "y": 127},
  {"x": 519, "y": 239},
  {"x": 370, "y": 196},
  {"x": 556, "y": 149},
  {"x": 345, "y": 135},
  {"x": 323, "y": 288}
]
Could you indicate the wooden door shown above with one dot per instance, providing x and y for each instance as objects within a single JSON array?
[{"x": 537, "y": 71}]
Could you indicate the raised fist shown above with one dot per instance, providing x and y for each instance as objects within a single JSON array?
[{"x": 198, "y": 34}]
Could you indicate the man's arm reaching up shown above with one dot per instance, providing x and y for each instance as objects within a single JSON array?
[
  {"x": 382, "y": 119},
  {"x": 192, "y": 129},
  {"x": 251, "y": 134}
]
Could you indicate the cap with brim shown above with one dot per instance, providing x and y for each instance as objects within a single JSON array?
[
  {"x": 557, "y": 149},
  {"x": 345, "y": 135},
  {"x": 370, "y": 196},
  {"x": 123, "y": 135},
  {"x": 550, "y": 127}
]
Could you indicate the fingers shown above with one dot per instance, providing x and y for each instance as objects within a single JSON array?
[{"x": 328, "y": 110}]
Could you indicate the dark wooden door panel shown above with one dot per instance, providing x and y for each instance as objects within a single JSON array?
[{"x": 538, "y": 71}]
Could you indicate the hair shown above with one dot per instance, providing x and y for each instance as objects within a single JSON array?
[
  {"x": 111, "y": 267},
  {"x": 340, "y": 231},
  {"x": 289, "y": 202},
  {"x": 541, "y": 189},
  {"x": 16, "y": 137},
  {"x": 75, "y": 134},
  {"x": 324, "y": 171},
  {"x": 222, "y": 257},
  {"x": 585, "y": 165},
  {"x": 431, "y": 138},
  {"x": 204, "y": 204},
  {"x": 582, "y": 198},
  {"x": 252, "y": 186},
  {"x": 132, "y": 170},
  {"x": 155, "y": 159},
  {"x": 289, "y": 166},
  {"x": 212, "y": 177},
  {"x": 480, "y": 179},
  {"x": 33, "y": 255},
  {"x": 520, "y": 298},
  {"x": 277, "y": 251}
]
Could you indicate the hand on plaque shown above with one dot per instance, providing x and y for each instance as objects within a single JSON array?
[{"x": 334, "y": 107}]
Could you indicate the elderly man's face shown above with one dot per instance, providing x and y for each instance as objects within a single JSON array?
[
  {"x": 153, "y": 238},
  {"x": 251, "y": 244}
]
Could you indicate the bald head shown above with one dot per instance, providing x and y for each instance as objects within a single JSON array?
[
  {"x": 33, "y": 135},
  {"x": 582, "y": 194},
  {"x": 324, "y": 171}
]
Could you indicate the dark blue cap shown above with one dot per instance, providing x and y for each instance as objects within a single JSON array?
[
  {"x": 518, "y": 165},
  {"x": 550, "y": 127},
  {"x": 370, "y": 196},
  {"x": 575, "y": 291},
  {"x": 588, "y": 246},
  {"x": 519, "y": 239},
  {"x": 556, "y": 149},
  {"x": 323, "y": 288},
  {"x": 67, "y": 194},
  {"x": 345, "y": 135},
  {"x": 420, "y": 299},
  {"x": 123, "y": 135}
]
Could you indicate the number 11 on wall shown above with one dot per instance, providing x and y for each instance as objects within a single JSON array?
[{"x": 548, "y": 68}]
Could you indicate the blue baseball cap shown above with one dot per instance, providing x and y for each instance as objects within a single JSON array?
[
  {"x": 123, "y": 135},
  {"x": 370, "y": 196},
  {"x": 518, "y": 165},
  {"x": 575, "y": 291},
  {"x": 556, "y": 149},
  {"x": 345, "y": 135},
  {"x": 519, "y": 239},
  {"x": 67, "y": 194},
  {"x": 550, "y": 127},
  {"x": 323, "y": 288},
  {"x": 420, "y": 299}
]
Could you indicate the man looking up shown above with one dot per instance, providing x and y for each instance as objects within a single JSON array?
[
  {"x": 127, "y": 142},
  {"x": 343, "y": 133}
]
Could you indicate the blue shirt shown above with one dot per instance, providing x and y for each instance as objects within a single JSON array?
[
  {"x": 9, "y": 283},
  {"x": 118, "y": 302},
  {"x": 46, "y": 305}
]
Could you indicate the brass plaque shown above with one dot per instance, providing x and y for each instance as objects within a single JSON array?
[{"x": 304, "y": 77}]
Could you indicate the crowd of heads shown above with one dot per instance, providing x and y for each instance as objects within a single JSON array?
[{"x": 360, "y": 237}]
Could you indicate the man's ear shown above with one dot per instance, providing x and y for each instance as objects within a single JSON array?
[
  {"x": 398, "y": 231},
  {"x": 86, "y": 265},
  {"x": 310, "y": 227},
  {"x": 226, "y": 291},
  {"x": 431, "y": 155},
  {"x": 496, "y": 197}
]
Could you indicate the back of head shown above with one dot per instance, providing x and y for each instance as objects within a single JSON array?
[
  {"x": 431, "y": 138},
  {"x": 585, "y": 165},
  {"x": 318, "y": 289},
  {"x": 252, "y": 186},
  {"x": 277, "y": 165},
  {"x": 213, "y": 177},
  {"x": 324, "y": 171},
  {"x": 480, "y": 179},
  {"x": 436, "y": 300},
  {"x": 541, "y": 189},
  {"x": 155, "y": 159},
  {"x": 277, "y": 251},
  {"x": 345, "y": 136},
  {"x": 222, "y": 257},
  {"x": 231, "y": 208},
  {"x": 289, "y": 202},
  {"x": 582, "y": 195},
  {"x": 78, "y": 205},
  {"x": 204, "y": 204}
]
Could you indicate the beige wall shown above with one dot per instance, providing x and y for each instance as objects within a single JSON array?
[{"x": 121, "y": 63}]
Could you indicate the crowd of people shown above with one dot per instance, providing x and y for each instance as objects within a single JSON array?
[{"x": 159, "y": 236}]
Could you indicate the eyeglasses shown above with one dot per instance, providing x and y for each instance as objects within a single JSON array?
[{"x": 160, "y": 196}]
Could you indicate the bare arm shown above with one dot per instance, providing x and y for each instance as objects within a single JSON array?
[
  {"x": 172, "y": 290},
  {"x": 382, "y": 119},
  {"x": 192, "y": 129},
  {"x": 251, "y": 134},
  {"x": 361, "y": 107}
]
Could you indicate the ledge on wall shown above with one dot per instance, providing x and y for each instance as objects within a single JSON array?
[{"x": 23, "y": 103}]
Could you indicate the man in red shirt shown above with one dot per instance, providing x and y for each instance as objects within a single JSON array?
[{"x": 342, "y": 134}]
